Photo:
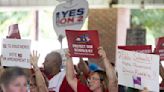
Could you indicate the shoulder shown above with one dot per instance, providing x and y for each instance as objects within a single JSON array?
[{"x": 82, "y": 87}]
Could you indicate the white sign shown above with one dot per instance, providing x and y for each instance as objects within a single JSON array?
[
  {"x": 16, "y": 52},
  {"x": 69, "y": 15},
  {"x": 138, "y": 70}
]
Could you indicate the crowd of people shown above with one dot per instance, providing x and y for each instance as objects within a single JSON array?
[{"x": 50, "y": 78}]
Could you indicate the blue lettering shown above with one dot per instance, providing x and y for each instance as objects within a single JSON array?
[
  {"x": 80, "y": 11},
  {"x": 72, "y": 12},
  {"x": 64, "y": 13}
]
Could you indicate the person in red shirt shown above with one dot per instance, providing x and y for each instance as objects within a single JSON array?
[
  {"x": 98, "y": 80},
  {"x": 56, "y": 77}
]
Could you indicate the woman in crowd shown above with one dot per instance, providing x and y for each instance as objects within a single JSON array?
[
  {"x": 14, "y": 80},
  {"x": 99, "y": 81}
]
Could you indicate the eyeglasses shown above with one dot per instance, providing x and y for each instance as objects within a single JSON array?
[{"x": 93, "y": 79}]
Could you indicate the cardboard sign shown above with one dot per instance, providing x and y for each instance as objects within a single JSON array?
[
  {"x": 83, "y": 43},
  {"x": 138, "y": 70},
  {"x": 16, "y": 52},
  {"x": 69, "y": 15},
  {"x": 160, "y": 47},
  {"x": 138, "y": 48}
]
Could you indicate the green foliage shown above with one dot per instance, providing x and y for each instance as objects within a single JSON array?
[
  {"x": 8, "y": 18},
  {"x": 152, "y": 19}
]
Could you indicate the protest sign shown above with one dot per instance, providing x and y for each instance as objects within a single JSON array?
[
  {"x": 160, "y": 47},
  {"x": 16, "y": 52},
  {"x": 138, "y": 48},
  {"x": 138, "y": 70},
  {"x": 13, "y": 32},
  {"x": 70, "y": 14},
  {"x": 83, "y": 43}
]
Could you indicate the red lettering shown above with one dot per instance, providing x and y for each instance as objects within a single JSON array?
[
  {"x": 80, "y": 19},
  {"x": 70, "y": 20},
  {"x": 63, "y": 21}
]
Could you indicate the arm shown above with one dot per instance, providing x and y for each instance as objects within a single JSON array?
[
  {"x": 110, "y": 72},
  {"x": 39, "y": 77},
  {"x": 1, "y": 67},
  {"x": 161, "y": 71},
  {"x": 70, "y": 75}
]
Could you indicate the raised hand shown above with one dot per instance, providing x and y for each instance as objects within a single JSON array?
[
  {"x": 101, "y": 52},
  {"x": 68, "y": 55},
  {"x": 34, "y": 57}
]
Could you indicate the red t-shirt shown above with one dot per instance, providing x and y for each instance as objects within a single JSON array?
[
  {"x": 64, "y": 86},
  {"x": 83, "y": 88}
]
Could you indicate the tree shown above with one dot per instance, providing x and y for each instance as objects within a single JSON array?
[{"x": 151, "y": 19}]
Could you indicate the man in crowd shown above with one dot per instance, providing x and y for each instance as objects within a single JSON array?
[{"x": 56, "y": 77}]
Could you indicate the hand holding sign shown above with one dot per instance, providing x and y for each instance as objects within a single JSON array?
[
  {"x": 83, "y": 43},
  {"x": 144, "y": 90},
  {"x": 102, "y": 52}
]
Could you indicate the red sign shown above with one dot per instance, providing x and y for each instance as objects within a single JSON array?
[
  {"x": 138, "y": 48},
  {"x": 160, "y": 48},
  {"x": 83, "y": 43},
  {"x": 13, "y": 32}
]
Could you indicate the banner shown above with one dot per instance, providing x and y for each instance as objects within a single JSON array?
[
  {"x": 160, "y": 47},
  {"x": 138, "y": 70},
  {"x": 83, "y": 43},
  {"x": 138, "y": 48},
  {"x": 16, "y": 52},
  {"x": 69, "y": 15}
]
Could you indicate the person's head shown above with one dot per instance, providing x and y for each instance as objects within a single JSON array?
[
  {"x": 14, "y": 80},
  {"x": 83, "y": 67},
  {"x": 97, "y": 81},
  {"x": 52, "y": 63}
]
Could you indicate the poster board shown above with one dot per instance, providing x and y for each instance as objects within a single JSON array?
[
  {"x": 69, "y": 14},
  {"x": 16, "y": 52},
  {"x": 138, "y": 70},
  {"x": 83, "y": 43}
]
